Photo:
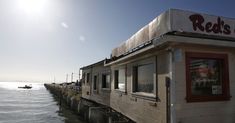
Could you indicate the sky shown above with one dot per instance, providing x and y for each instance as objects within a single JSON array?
[{"x": 44, "y": 40}]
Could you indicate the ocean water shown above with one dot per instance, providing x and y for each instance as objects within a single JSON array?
[{"x": 36, "y": 105}]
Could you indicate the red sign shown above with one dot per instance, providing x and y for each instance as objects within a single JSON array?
[{"x": 217, "y": 27}]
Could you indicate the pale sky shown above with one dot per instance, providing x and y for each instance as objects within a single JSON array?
[{"x": 43, "y": 39}]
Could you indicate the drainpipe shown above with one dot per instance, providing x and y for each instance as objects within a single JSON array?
[
  {"x": 168, "y": 104},
  {"x": 171, "y": 114}
]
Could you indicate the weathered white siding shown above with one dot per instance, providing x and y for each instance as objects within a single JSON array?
[
  {"x": 139, "y": 109},
  {"x": 100, "y": 95},
  {"x": 86, "y": 86}
]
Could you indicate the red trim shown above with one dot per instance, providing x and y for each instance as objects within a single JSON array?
[{"x": 225, "y": 77}]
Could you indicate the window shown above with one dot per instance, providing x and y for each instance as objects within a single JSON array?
[
  {"x": 143, "y": 78},
  {"x": 120, "y": 79},
  {"x": 83, "y": 78},
  {"x": 87, "y": 77},
  {"x": 95, "y": 83},
  {"x": 207, "y": 77},
  {"x": 105, "y": 81}
]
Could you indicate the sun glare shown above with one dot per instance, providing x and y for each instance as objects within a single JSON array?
[{"x": 32, "y": 6}]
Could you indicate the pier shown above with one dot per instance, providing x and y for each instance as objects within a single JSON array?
[{"x": 90, "y": 111}]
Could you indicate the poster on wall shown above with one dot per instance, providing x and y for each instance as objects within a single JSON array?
[{"x": 205, "y": 76}]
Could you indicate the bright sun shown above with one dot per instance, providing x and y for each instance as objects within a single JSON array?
[{"x": 32, "y": 6}]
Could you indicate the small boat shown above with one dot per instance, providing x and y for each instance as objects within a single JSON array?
[{"x": 26, "y": 87}]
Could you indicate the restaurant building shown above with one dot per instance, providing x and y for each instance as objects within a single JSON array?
[
  {"x": 96, "y": 83},
  {"x": 180, "y": 68}
]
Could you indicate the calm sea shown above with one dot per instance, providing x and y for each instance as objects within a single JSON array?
[{"x": 35, "y": 105}]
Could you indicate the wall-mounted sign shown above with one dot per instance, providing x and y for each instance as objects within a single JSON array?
[
  {"x": 216, "y": 89},
  {"x": 191, "y": 22},
  {"x": 178, "y": 55},
  {"x": 219, "y": 26}
]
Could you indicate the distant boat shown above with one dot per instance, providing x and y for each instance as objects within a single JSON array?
[{"x": 26, "y": 87}]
